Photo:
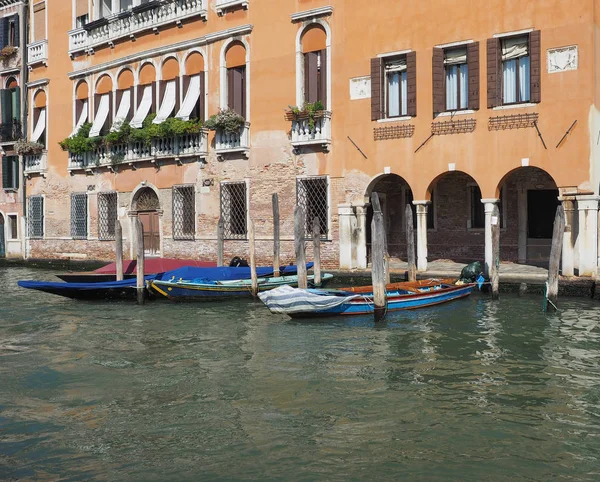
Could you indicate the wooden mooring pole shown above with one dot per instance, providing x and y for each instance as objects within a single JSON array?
[
  {"x": 555, "y": 252},
  {"x": 251, "y": 245},
  {"x": 378, "y": 271},
  {"x": 317, "y": 250},
  {"x": 495, "y": 268},
  {"x": 140, "y": 285},
  {"x": 276, "y": 262},
  {"x": 220, "y": 236},
  {"x": 410, "y": 244},
  {"x": 119, "y": 249},
  {"x": 299, "y": 227}
]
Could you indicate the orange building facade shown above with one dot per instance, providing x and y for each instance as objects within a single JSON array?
[{"x": 448, "y": 109}]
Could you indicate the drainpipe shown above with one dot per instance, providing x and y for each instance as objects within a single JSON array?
[{"x": 24, "y": 35}]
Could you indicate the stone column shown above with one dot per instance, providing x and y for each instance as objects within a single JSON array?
[
  {"x": 568, "y": 249},
  {"x": 488, "y": 206},
  {"x": 346, "y": 216},
  {"x": 360, "y": 238},
  {"x": 522, "y": 224},
  {"x": 421, "y": 234},
  {"x": 587, "y": 207}
]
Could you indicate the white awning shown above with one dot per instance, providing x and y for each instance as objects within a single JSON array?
[
  {"x": 397, "y": 65},
  {"x": 123, "y": 110},
  {"x": 40, "y": 127},
  {"x": 82, "y": 118},
  {"x": 455, "y": 56},
  {"x": 168, "y": 102},
  {"x": 515, "y": 47},
  {"x": 142, "y": 111},
  {"x": 191, "y": 98},
  {"x": 101, "y": 115}
]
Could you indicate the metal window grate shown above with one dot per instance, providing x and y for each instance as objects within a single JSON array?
[
  {"x": 234, "y": 210},
  {"x": 311, "y": 196},
  {"x": 79, "y": 216},
  {"x": 35, "y": 214},
  {"x": 184, "y": 212},
  {"x": 107, "y": 215}
]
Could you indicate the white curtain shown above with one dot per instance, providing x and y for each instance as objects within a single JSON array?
[
  {"x": 191, "y": 98},
  {"x": 143, "y": 108},
  {"x": 82, "y": 118},
  {"x": 510, "y": 81},
  {"x": 122, "y": 111},
  {"x": 101, "y": 116},
  {"x": 455, "y": 61},
  {"x": 524, "y": 79},
  {"x": 40, "y": 127},
  {"x": 393, "y": 94},
  {"x": 452, "y": 87},
  {"x": 404, "y": 93},
  {"x": 168, "y": 102},
  {"x": 464, "y": 87},
  {"x": 515, "y": 50}
]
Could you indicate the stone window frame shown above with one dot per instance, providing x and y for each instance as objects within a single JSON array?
[
  {"x": 13, "y": 221},
  {"x": 299, "y": 179}
]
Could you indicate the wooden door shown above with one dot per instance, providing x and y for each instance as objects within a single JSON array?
[{"x": 151, "y": 233}]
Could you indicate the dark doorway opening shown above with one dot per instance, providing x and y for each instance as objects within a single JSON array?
[{"x": 541, "y": 209}]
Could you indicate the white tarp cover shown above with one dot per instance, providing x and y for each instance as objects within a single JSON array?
[
  {"x": 168, "y": 102},
  {"x": 515, "y": 47},
  {"x": 82, "y": 118},
  {"x": 191, "y": 98},
  {"x": 101, "y": 116},
  {"x": 142, "y": 111},
  {"x": 286, "y": 299},
  {"x": 455, "y": 56},
  {"x": 397, "y": 65},
  {"x": 123, "y": 110},
  {"x": 40, "y": 127}
]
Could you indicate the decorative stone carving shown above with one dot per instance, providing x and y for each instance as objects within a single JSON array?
[
  {"x": 360, "y": 88},
  {"x": 146, "y": 200},
  {"x": 562, "y": 59}
]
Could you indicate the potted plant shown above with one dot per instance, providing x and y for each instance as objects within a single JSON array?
[
  {"x": 27, "y": 148},
  {"x": 308, "y": 110},
  {"x": 226, "y": 120},
  {"x": 7, "y": 52}
]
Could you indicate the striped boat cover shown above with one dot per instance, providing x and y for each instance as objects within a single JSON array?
[{"x": 286, "y": 299}]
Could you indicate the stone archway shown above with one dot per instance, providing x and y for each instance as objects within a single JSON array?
[{"x": 146, "y": 206}]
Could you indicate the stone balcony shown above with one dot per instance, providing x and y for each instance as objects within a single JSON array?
[
  {"x": 228, "y": 143},
  {"x": 177, "y": 148},
  {"x": 128, "y": 24},
  {"x": 224, "y": 5},
  {"x": 35, "y": 163},
  {"x": 318, "y": 134},
  {"x": 37, "y": 53}
]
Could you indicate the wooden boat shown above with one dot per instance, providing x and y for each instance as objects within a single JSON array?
[
  {"x": 359, "y": 300},
  {"x": 178, "y": 289}
]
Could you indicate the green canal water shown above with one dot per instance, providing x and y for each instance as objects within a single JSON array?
[{"x": 472, "y": 390}]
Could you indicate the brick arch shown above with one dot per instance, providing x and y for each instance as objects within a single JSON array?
[
  {"x": 377, "y": 180},
  {"x": 436, "y": 179},
  {"x": 531, "y": 171}
]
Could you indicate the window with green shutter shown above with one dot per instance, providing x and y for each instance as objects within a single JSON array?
[{"x": 10, "y": 172}]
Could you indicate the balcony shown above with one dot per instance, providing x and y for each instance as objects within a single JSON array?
[
  {"x": 315, "y": 132},
  {"x": 159, "y": 149},
  {"x": 37, "y": 53},
  {"x": 35, "y": 163},
  {"x": 224, "y": 5},
  {"x": 11, "y": 132},
  {"x": 229, "y": 143},
  {"x": 128, "y": 24}
]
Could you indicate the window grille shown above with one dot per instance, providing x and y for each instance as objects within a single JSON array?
[
  {"x": 234, "y": 210},
  {"x": 35, "y": 214},
  {"x": 184, "y": 212},
  {"x": 312, "y": 197},
  {"x": 107, "y": 215},
  {"x": 79, "y": 216}
]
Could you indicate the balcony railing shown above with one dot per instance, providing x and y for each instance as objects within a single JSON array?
[
  {"x": 35, "y": 163},
  {"x": 37, "y": 52},
  {"x": 226, "y": 142},
  {"x": 319, "y": 133},
  {"x": 165, "y": 148},
  {"x": 223, "y": 5},
  {"x": 11, "y": 132},
  {"x": 152, "y": 15}
]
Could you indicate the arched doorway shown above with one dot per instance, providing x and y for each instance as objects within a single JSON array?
[
  {"x": 146, "y": 205},
  {"x": 394, "y": 194},
  {"x": 530, "y": 197},
  {"x": 2, "y": 241}
]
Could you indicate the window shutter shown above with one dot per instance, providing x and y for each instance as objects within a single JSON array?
[
  {"x": 411, "y": 83},
  {"x": 311, "y": 85},
  {"x": 16, "y": 103},
  {"x": 535, "y": 54},
  {"x": 16, "y": 20},
  {"x": 3, "y": 32},
  {"x": 323, "y": 78},
  {"x": 202, "y": 99},
  {"x": 473, "y": 67},
  {"x": 439, "y": 97},
  {"x": 494, "y": 73},
  {"x": 6, "y": 106},
  {"x": 230, "y": 94},
  {"x": 6, "y": 173},
  {"x": 376, "y": 89},
  {"x": 242, "y": 87},
  {"x": 14, "y": 162}
]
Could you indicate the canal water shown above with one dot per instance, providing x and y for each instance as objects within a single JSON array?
[{"x": 472, "y": 390}]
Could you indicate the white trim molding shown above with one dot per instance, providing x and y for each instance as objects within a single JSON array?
[
  {"x": 224, "y": 5},
  {"x": 38, "y": 83},
  {"x": 510, "y": 34},
  {"x": 393, "y": 54},
  {"x": 312, "y": 13}
]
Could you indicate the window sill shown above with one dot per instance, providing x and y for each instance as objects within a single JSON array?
[
  {"x": 515, "y": 106},
  {"x": 452, "y": 113},
  {"x": 395, "y": 119},
  {"x": 10, "y": 189}
]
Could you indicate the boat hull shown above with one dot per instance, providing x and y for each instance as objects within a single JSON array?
[{"x": 183, "y": 290}]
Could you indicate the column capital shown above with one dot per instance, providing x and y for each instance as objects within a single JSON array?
[
  {"x": 421, "y": 203},
  {"x": 345, "y": 209},
  {"x": 587, "y": 203},
  {"x": 490, "y": 200}
]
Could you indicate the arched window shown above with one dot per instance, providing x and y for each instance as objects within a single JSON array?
[
  {"x": 235, "y": 63},
  {"x": 10, "y": 108},
  {"x": 102, "y": 106},
  {"x": 146, "y": 94},
  {"x": 82, "y": 109},
  {"x": 314, "y": 53},
  {"x": 124, "y": 97},
  {"x": 168, "y": 90},
  {"x": 38, "y": 134},
  {"x": 193, "y": 103}
]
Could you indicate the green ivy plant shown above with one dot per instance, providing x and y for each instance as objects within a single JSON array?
[
  {"x": 309, "y": 110},
  {"x": 227, "y": 120}
]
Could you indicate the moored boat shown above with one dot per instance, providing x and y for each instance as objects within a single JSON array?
[
  {"x": 299, "y": 303},
  {"x": 179, "y": 289}
]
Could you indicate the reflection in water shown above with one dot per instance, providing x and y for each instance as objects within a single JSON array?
[{"x": 467, "y": 391}]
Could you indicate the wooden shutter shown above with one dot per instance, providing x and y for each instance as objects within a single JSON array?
[
  {"x": 6, "y": 106},
  {"x": 17, "y": 29},
  {"x": 6, "y": 173},
  {"x": 411, "y": 83},
  {"x": 376, "y": 88},
  {"x": 323, "y": 78},
  {"x": 236, "y": 90},
  {"x": 494, "y": 73},
  {"x": 535, "y": 54},
  {"x": 230, "y": 94},
  {"x": 439, "y": 97},
  {"x": 473, "y": 67},
  {"x": 14, "y": 167},
  {"x": 16, "y": 103},
  {"x": 202, "y": 100},
  {"x": 3, "y": 32},
  {"x": 311, "y": 84}
]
